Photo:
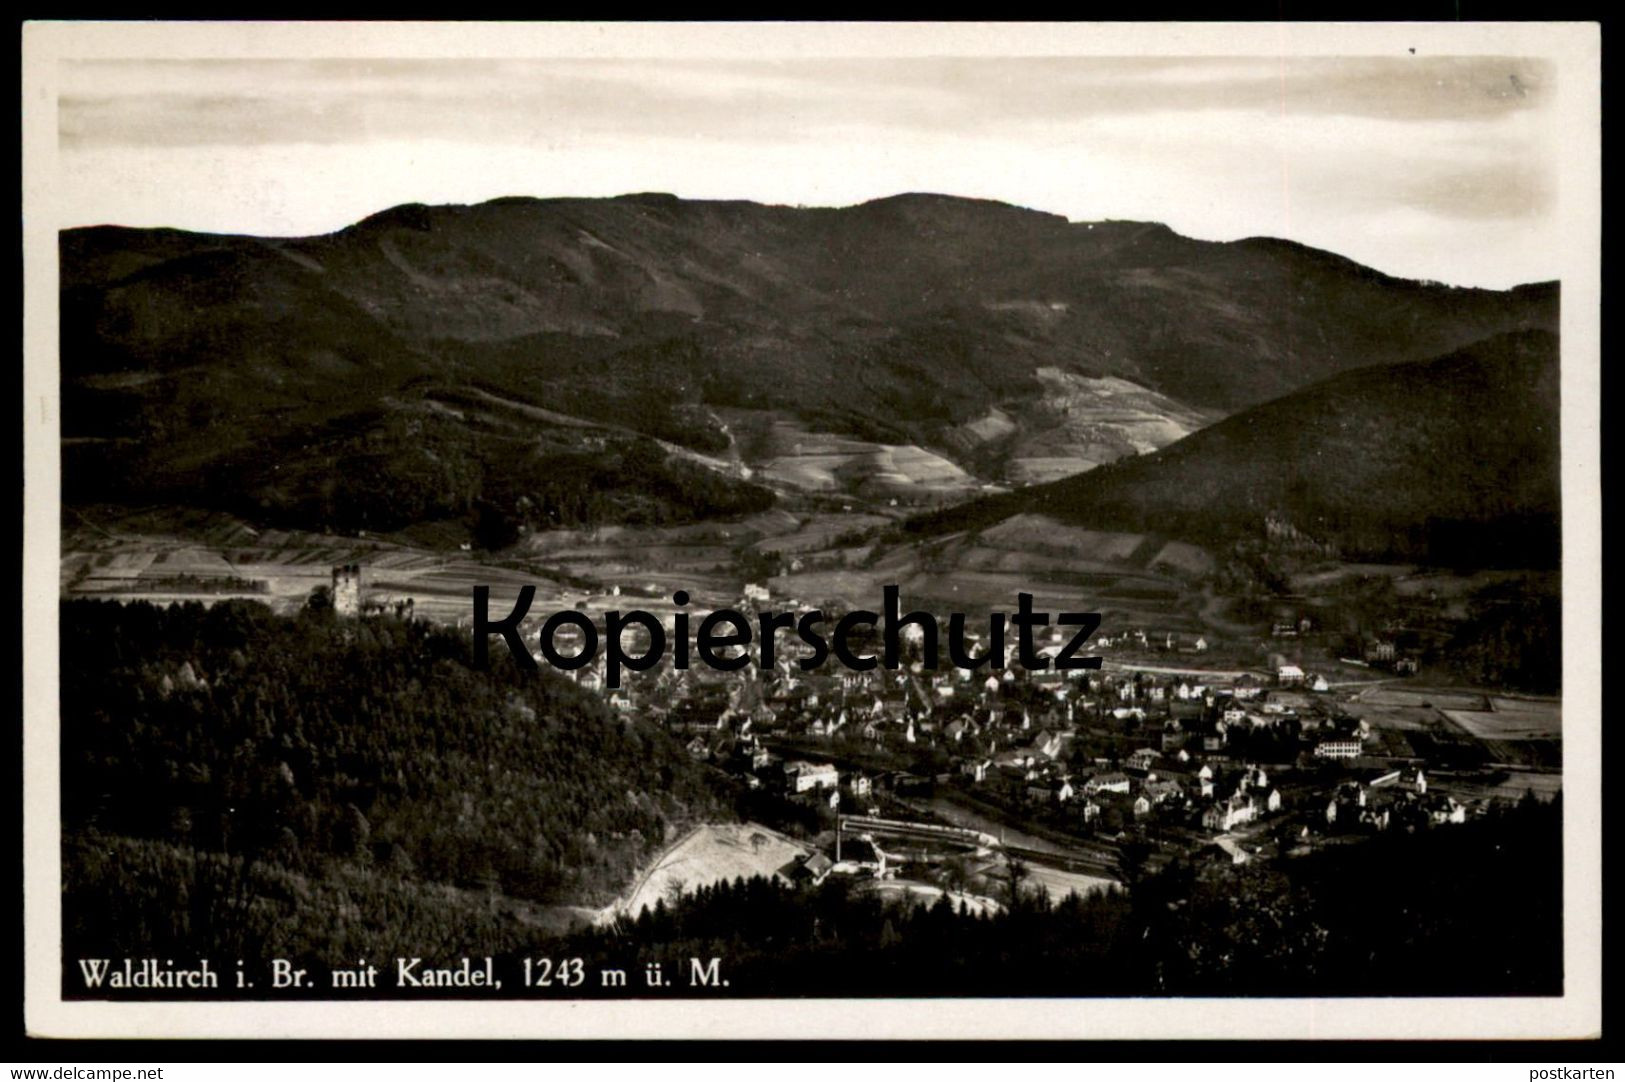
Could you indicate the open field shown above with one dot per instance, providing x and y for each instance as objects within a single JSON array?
[
  {"x": 1401, "y": 718},
  {"x": 1519, "y": 721},
  {"x": 1133, "y": 579},
  {"x": 1081, "y": 422},
  {"x": 1387, "y": 695},
  {"x": 1060, "y": 883},
  {"x": 927, "y": 894},
  {"x": 814, "y": 533},
  {"x": 786, "y": 453},
  {"x": 282, "y": 570},
  {"x": 1504, "y": 785},
  {"x": 1041, "y": 534},
  {"x": 712, "y": 854},
  {"x": 1487, "y": 717},
  {"x": 622, "y": 551},
  {"x": 1515, "y": 732}
]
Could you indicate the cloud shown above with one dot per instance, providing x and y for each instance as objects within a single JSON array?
[
  {"x": 107, "y": 103},
  {"x": 1322, "y": 150}
]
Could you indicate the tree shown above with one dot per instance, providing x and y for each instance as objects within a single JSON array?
[
  {"x": 1132, "y": 858},
  {"x": 494, "y": 528},
  {"x": 352, "y": 832},
  {"x": 1016, "y": 873}
]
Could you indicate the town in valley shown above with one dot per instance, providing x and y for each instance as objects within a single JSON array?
[
  {"x": 1191, "y": 742},
  {"x": 1316, "y": 508}
]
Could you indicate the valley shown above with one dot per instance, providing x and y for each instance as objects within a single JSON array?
[{"x": 1315, "y": 508}]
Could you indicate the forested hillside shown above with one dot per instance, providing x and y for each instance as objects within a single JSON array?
[
  {"x": 304, "y": 785},
  {"x": 1452, "y": 461}
]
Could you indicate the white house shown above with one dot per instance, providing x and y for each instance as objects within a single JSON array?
[
  {"x": 1057, "y": 790},
  {"x": 801, "y": 777},
  {"x": 1047, "y": 744},
  {"x": 1157, "y": 791},
  {"x": 1230, "y": 813},
  {"x": 1145, "y": 758},
  {"x": 1107, "y": 783}
]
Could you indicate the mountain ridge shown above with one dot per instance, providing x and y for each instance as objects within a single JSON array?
[{"x": 915, "y": 319}]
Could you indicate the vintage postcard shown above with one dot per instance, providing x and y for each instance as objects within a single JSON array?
[{"x": 812, "y": 530}]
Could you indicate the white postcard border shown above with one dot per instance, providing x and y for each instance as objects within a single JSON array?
[{"x": 1575, "y": 47}]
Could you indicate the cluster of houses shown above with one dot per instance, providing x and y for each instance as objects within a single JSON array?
[
  {"x": 1385, "y": 653},
  {"x": 1201, "y": 749},
  {"x": 1136, "y": 742},
  {"x": 1032, "y": 746},
  {"x": 1387, "y": 798},
  {"x": 1212, "y": 791}
]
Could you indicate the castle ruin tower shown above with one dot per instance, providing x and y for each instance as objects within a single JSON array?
[{"x": 347, "y": 590}]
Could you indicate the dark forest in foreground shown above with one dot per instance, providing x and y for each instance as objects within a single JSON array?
[
  {"x": 241, "y": 785},
  {"x": 1476, "y": 911}
]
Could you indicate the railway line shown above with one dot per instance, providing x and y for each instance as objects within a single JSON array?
[{"x": 1084, "y": 859}]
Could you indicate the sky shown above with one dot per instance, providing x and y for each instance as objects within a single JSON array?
[{"x": 1441, "y": 168}]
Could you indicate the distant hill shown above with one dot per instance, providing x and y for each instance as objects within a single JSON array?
[
  {"x": 1453, "y": 460},
  {"x": 979, "y": 330}
]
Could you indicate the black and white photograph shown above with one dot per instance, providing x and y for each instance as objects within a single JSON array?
[{"x": 1012, "y": 530}]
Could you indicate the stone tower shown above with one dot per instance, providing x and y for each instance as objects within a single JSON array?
[{"x": 347, "y": 590}]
